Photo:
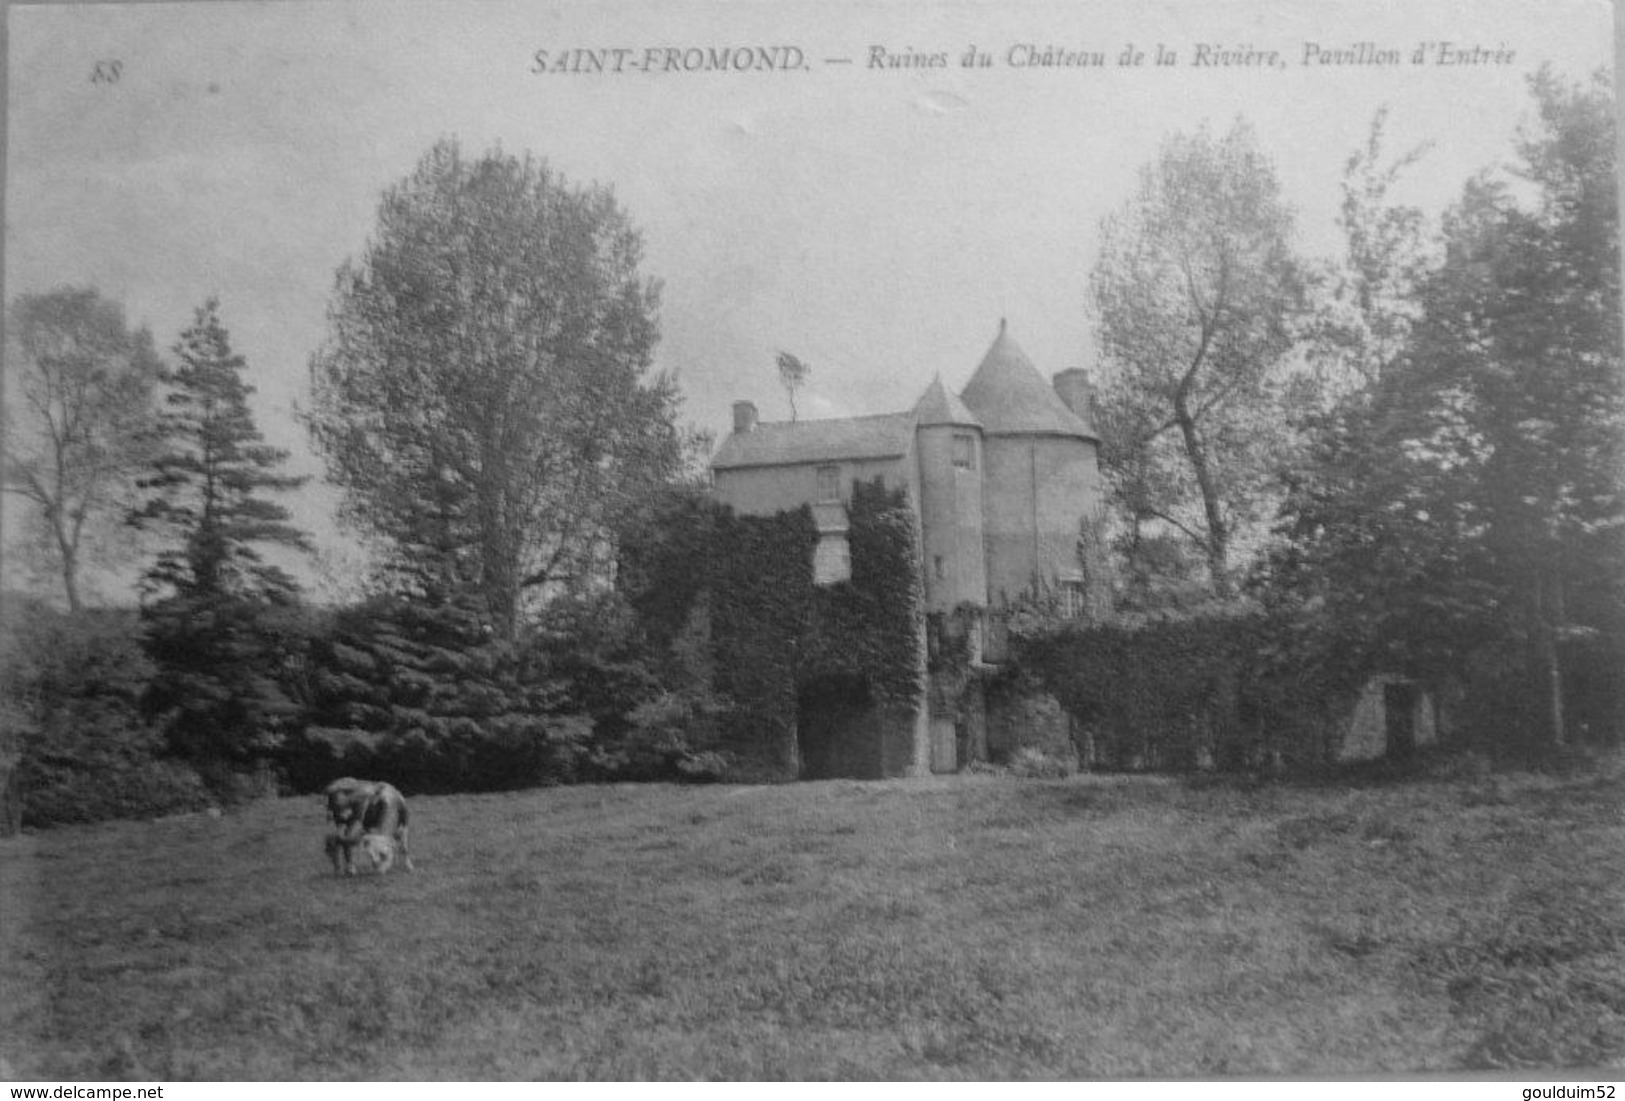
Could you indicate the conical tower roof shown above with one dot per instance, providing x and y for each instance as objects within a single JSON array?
[
  {"x": 1010, "y": 397},
  {"x": 938, "y": 406}
]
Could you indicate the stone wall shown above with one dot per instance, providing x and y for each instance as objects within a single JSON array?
[{"x": 1366, "y": 737}]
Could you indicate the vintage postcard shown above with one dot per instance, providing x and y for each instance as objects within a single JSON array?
[{"x": 1073, "y": 308}]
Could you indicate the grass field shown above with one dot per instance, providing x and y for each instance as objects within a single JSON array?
[{"x": 959, "y": 927}]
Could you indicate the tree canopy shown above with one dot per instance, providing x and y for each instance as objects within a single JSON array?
[
  {"x": 485, "y": 394},
  {"x": 79, "y": 420},
  {"x": 1195, "y": 292},
  {"x": 1464, "y": 510},
  {"x": 1368, "y": 301}
]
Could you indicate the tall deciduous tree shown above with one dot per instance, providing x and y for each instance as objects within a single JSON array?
[
  {"x": 1370, "y": 298},
  {"x": 485, "y": 394},
  {"x": 1468, "y": 508},
  {"x": 219, "y": 614},
  {"x": 1195, "y": 292},
  {"x": 79, "y": 419},
  {"x": 1353, "y": 525},
  {"x": 1522, "y": 327}
]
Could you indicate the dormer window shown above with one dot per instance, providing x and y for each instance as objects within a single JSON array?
[
  {"x": 829, "y": 483},
  {"x": 964, "y": 451}
]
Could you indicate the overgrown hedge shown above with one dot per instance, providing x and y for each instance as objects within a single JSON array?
[{"x": 1224, "y": 687}]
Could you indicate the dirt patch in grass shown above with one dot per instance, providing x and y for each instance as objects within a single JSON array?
[{"x": 965, "y": 927}]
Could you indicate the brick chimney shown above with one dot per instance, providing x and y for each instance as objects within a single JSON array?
[
  {"x": 1076, "y": 391},
  {"x": 744, "y": 417}
]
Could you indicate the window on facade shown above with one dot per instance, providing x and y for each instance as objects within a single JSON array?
[
  {"x": 832, "y": 559},
  {"x": 936, "y": 564},
  {"x": 964, "y": 451},
  {"x": 1072, "y": 602},
  {"x": 829, "y": 483}
]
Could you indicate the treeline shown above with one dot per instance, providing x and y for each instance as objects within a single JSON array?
[
  {"x": 1409, "y": 456},
  {"x": 1408, "y": 461},
  {"x": 687, "y": 670},
  {"x": 484, "y": 400}
]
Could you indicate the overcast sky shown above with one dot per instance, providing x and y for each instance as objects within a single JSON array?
[{"x": 875, "y": 221}]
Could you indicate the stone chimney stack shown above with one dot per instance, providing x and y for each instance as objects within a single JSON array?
[
  {"x": 1076, "y": 391},
  {"x": 744, "y": 417}
]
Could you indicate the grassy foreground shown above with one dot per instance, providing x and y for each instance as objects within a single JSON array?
[{"x": 970, "y": 926}]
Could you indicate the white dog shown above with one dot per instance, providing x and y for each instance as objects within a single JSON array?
[{"x": 378, "y": 850}]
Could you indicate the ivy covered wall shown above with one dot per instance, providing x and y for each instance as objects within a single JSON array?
[
  {"x": 1218, "y": 688},
  {"x": 850, "y": 654}
]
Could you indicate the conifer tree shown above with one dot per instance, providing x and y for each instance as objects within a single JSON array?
[
  {"x": 217, "y": 611},
  {"x": 210, "y": 476}
]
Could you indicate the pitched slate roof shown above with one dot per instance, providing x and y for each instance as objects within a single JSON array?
[
  {"x": 938, "y": 406},
  {"x": 783, "y": 443},
  {"x": 1009, "y": 396}
]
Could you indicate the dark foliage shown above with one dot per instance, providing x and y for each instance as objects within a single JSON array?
[
  {"x": 1461, "y": 514},
  {"x": 431, "y": 698},
  {"x": 210, "y": 476},
  {"x": 614, "y": 685},
  {"x": 71, "y": 687},
  {"x": 1227, "y": 687},
  {"x": 777, "y": 635},
  {"x": 220, "y": 685},
  {"x": 761, "y": 603},
  {"x": 222, "y": 619}
]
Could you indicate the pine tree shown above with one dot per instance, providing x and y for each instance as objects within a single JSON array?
[
  {"x": 210, "y": 476},
  {"x": 220, "y": 618}
]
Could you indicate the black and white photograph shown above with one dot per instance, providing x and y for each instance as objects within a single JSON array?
[{"x": 887, "y": 541}]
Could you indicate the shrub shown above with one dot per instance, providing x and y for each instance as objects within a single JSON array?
[
  {"x": 72, "y": 686},
  {"x": 59, "y": 792},
  {"x": 663, "y": 738},
  {"x": 1032, "y": 763},
  {"x": 704, "y": 768},
  {"x": 424, "y": 694},
  {"x": 219, "y": 689},
  {"x": 461, "y": 755}
]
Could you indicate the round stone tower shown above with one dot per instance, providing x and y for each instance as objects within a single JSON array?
[
  {"x": 1042, "y": 473},
  {"x": 948, "y": 443}
]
